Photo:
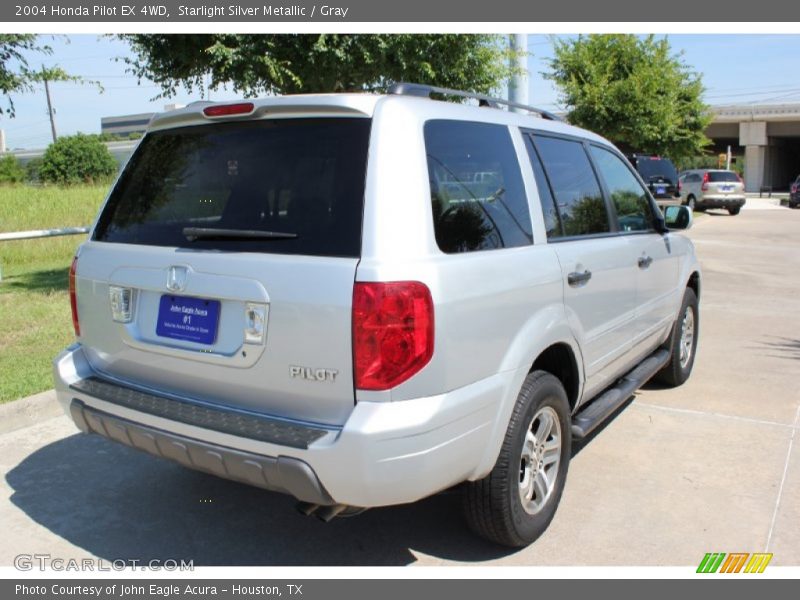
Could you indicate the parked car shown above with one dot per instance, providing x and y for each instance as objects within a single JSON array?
[
  {"x": 794, "y": 194},
  {"x": 661, "y": 177},
  {"x": 712, "y": 188},
  {"x": 261, "y": 301}
]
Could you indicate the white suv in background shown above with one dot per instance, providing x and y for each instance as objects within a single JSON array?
[{"x": 362, "y": 300}]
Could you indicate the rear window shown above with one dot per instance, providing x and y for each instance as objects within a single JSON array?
[
  {"x": 654, "y": 169},
  {"x": 722, "y": 176},
  {"x": 301, "y": 177}
]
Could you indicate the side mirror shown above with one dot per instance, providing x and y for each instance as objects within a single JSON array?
[{"x": 677, "y": 217}]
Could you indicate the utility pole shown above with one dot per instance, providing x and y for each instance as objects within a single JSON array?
[
  {"x": 518, "y": 84},
  {"x": 50, "y": 111}
]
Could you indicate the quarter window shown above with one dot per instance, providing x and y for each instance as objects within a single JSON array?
[
  {"x": 477, "y": 195},
  {"x": 627, "y": 194},
  {"x": 573, "y": 182}
]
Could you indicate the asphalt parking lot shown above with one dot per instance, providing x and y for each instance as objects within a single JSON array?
[{"x": 713, "y": 466}]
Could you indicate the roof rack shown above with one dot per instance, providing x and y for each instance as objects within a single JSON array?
[{"x": 426, "y": 91}]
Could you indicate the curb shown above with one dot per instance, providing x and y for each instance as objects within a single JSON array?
[{"x": 29, "y": 411}]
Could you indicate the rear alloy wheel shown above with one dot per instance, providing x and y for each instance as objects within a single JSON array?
[
  {"x": 734, "y": 210},
  {"x": 682, "y": 343},
  {"x": 515, "y": 503}
]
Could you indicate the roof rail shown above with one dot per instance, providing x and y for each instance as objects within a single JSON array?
[{"x": 425, "y": 91}]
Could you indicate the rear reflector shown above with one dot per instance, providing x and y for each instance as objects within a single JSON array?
[
  {"x": 73, "y": 300},
  {"x": 224, "y": 110},
  {"x": 392, "y": 332}
]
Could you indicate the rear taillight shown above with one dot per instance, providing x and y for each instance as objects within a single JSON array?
[
  {"x": 226, "y": 110},
  {"x": 704, "y": 187},
  {"x": 73, "y": 299},
  {"x": 392, "y": 332},
  {"x": 794, "y": 188}
]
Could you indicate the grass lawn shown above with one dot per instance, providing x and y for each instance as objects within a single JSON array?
[{"x": 35, "y": 322}]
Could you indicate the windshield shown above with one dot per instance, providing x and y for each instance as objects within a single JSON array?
[{"x": 301, "y": 177}]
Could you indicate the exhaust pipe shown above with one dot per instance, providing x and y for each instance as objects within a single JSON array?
[
  {"x": 306, "y": 508},
  {"x": 326, "y": 513}
]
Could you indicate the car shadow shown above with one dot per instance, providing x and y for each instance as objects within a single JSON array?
[{"x": 118, "y": 503}]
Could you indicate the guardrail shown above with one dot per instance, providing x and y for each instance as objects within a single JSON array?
[
  {"x": 42, "y": 233},
  {"x": 39, "y": 233}
]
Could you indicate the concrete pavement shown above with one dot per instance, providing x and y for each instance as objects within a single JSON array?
[{"x": 713, "y": 466}]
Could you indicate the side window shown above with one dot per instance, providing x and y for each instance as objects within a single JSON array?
[
  {"x": 477, "y": 195},
  {"x": 578, "y": 197},
  {"x": 552, "y": 221},
  {"x": 630, "y": 200}
]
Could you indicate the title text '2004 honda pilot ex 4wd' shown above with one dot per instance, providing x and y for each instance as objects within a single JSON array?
[{"x": 361, "y": 300}]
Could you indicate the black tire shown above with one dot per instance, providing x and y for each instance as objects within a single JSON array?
[
  {"x": 675, "y": 373},
  {"x": 691, "y": 203},
  {"x": 734, "y": 210},
  {"x": 493, "y": 505}
]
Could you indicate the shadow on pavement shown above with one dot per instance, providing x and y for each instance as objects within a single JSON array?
[
  {"x": 117, "y": 503},
  {"x": 52, "y": 280}
]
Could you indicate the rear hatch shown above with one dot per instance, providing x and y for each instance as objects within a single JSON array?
[
  {"x": 222, "y": 265},
  {"x": 659, "y": 174},
  {"x": 724, "y": 183}
]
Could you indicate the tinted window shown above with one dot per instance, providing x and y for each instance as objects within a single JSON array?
[
  {"x": 299, "y": 176},
  {"x": 722, "y": 176},
  {"x": 477, "y": 194},
  {"x": 552, "y": 221},
  {"x": 654, "y": 169},
  {"x": 627, "y": 194},
  {"x": 574, "y": 185}
]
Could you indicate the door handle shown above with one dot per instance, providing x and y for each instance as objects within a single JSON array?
[
  {"x": 645, "y": 261},
  {"x": 575, "y": 279}
]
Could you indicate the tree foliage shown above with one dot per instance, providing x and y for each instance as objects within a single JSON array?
[
  {"x": 16, "y": 76},
  {"x": 10, "y": 170},
  {"x": 314, "y": 63},
  {"x": 634, "y": 91},
  {"x": 77, "y": 158}
]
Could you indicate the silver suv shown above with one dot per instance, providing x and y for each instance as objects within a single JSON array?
[
  {"x": 362, "y": 300},
  {"x": 712, "y": 188}
]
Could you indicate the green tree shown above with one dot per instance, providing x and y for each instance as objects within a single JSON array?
[
  {"x": 76, "y": 159},
  {"x": 10, "y": 170},
  {"x": 16, "y": 76},
  {"x": 308, "y": 63},
  {"x": 634, "y": 91}
]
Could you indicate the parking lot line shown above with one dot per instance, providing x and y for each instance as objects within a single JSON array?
[{"x": 783, "y": 480}]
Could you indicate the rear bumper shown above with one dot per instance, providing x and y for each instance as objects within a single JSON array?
[
  {"x": 386, "y": 453},
  {"x": 712, "y": 201}
]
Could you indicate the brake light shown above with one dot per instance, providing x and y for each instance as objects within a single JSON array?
[
  {"x": 225, "y": 110},
  {"x": 704, "y": 187},
  {"x": 794, "y": 188},
  {"x": 392, "y": 332},
  {"x": 739, "y": 178},
  {"x": 73, "y": 299}
]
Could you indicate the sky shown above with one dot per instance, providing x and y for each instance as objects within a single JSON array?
[{"x": 736, "y": 69}]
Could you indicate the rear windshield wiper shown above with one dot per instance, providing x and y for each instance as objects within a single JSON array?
[{"x": 212, "y": 233}]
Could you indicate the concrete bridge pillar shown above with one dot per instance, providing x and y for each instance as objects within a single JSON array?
[{"x": 753, "y": 136}]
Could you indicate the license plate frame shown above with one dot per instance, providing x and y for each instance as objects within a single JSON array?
[{"x": 188, "y": 319}]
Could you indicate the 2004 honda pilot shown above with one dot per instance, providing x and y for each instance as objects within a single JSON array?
[{"x": 361, "y": 300}]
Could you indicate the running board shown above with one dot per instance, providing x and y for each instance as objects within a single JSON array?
[{"x": 602, "y": 407}]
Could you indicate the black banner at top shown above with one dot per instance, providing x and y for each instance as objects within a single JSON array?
[{"x": 439, "y": 11}]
